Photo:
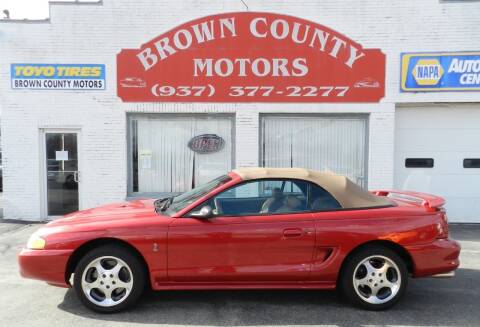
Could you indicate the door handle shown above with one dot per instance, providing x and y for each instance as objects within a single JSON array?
[
  {"x": 292, "y": 232},
  {"x": 76, "y": 176}
]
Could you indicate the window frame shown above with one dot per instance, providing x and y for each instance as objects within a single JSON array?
[
  {"x": 308, "y": 210},
  {"x": 132, "y": 119},
  {"x": 364, "y": 180},
  {"x": 340, "y": 207},
  {"x": 222, "y": 180}
]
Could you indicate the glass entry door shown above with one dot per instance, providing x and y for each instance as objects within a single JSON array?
[{"x": 61, "y": 152}]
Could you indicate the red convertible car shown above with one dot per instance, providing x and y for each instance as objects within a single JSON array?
[{"x": 255, "y": 228}]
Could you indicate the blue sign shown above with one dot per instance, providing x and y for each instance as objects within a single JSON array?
[
  {"x": 58, "y": 76},
  {"x": 440, "y": 71}
]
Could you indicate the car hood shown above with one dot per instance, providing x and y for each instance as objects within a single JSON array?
[{"x": 136, "y": 209}]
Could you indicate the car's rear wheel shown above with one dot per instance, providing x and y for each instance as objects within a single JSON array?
[
  {"x": 374, "y": 278},
  {"x": 109, "y": 279}
]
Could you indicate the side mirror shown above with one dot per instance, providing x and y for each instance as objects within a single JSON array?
[{"x": 204, "y": 213}]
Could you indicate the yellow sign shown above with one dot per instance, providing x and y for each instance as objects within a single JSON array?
[
  {"x": 427, "y": 72},
  {"x": 440, "y": 71}
]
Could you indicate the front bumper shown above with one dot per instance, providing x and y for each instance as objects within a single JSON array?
[
  {"x": 46, "y": 265},
  {"x": 438, "y": 257}
]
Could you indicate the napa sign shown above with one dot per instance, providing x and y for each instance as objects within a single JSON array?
[
  {"x": 440, "y": 71},
  {"x": 57, "y": 76}
]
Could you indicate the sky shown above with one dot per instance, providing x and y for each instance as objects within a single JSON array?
[{"x": 31, "y": 9}]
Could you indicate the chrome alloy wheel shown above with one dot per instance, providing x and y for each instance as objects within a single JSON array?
[
  {"x": 377, "y": 279},
  {"x": 107, "y": 281}
]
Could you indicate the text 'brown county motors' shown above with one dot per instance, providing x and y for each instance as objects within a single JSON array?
[{"x": 278, "y": 56}]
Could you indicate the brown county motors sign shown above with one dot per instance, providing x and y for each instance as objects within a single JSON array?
[{"x": 251, "y": 57}]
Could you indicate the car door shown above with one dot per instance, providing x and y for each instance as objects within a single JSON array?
[
  {"x": 330, "y": 225},
  {"x": 248, "y": 246}
]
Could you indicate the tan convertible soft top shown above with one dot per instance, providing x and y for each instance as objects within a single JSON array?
[{"x": 347, "y": 193}]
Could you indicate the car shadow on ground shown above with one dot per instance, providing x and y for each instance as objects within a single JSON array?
[{"x": 427, "y": 302}]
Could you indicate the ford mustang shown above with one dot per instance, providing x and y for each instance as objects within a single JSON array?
[{"x": 254, "y": 228}]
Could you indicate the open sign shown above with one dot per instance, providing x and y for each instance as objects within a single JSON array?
[{"x": 206, "y": 143}]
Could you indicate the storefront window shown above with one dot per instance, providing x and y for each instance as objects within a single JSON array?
[
  {"x": 163, "y": 159},
  {"x": 318, "y": 142}
]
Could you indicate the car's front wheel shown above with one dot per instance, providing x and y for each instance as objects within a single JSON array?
[
  {"x": 109, "y": 279},
  {"x": 374, "y": 278}
]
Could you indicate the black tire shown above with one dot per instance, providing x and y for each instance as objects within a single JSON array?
[
  {"x": 138, "y": 276},
  {"x": 347, "y": 285}
]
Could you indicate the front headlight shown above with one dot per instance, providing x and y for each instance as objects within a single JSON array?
[{"x": 35, "y": 242}]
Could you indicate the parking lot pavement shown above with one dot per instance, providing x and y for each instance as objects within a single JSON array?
[{"x": 428, "y": 302}]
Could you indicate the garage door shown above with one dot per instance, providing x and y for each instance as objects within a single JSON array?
[
  {"x": 434, "y": 148},
  {"x": 316, "y": 142}
]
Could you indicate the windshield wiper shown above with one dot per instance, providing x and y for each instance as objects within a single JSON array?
[
  {"x": 158, "y": 202},
  {"x": 166, "y": 204},
  {"x": 163, "y": 203}
]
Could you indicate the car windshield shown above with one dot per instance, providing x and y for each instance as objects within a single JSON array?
[{"x": 177, "y": 203}]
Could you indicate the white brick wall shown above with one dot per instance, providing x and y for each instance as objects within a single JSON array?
[{"x": 95, "y": 33}]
